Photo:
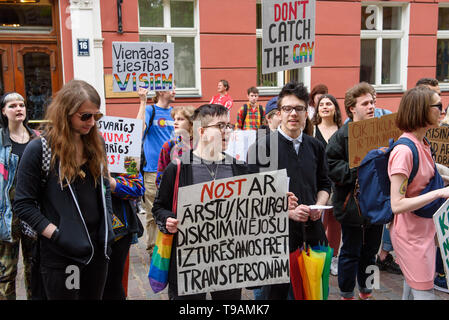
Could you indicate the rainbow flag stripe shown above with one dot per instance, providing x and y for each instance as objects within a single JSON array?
[{"x": 160, "y": 262}]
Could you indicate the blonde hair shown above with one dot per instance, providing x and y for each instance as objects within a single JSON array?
[
  {"x": 186, "y": 112},
  {"x": 59, "y": 132}
]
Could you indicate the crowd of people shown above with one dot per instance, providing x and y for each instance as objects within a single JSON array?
[{"x": 64, "y": 207}]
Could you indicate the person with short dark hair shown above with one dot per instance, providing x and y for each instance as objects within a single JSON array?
[
  {"x": 432, "y": 83},
  {"x": 223, "y": 96},
  {"x": 305, "y": 160},
  {"x": 361, "y": 240},
  {"x": 412, "y": 235},
  {"x": 251, "y": 114}
]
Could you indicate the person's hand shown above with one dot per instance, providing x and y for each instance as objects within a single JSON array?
[
  {"x": 315, "y": 214},
  {"x": 142, "y": 92},
  {"x": 292, "y": 201},
  {"x": 300, "y": 214},
  {"x": 171, "y": 225}
]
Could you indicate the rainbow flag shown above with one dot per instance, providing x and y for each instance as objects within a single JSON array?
[{"x": 160, "y": 262}]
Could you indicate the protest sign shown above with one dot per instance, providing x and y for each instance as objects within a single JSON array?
[
  {"x": 233, "y": 233},
  {"x": 370, "y": 134},
  {"x": 288, "y": 34},
  {"x": 439, "y": 141},
  {"x": 123, "y": 140},
  {"x": 239, "y": 143},
  {"x": 148, "y": 65},
  {"x": 441, "y": 220}
]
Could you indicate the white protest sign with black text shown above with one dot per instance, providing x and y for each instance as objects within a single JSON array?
[
  {"x": 233, "y": 233},
  {"x": 441, "y": 220},
  {"x": 123, "y": 140},
  {"x": 149, "y": 65},
  {"x": 288, "y": 34}
]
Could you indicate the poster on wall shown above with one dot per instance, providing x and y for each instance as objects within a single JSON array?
[
  {"x": 123, "y": 141},
  {"x": 288, "y": 35},
  {"x": 233, "y": 233},
  {"x": 149, "y": 65}
]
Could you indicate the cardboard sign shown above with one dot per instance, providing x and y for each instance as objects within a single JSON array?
[
  {"x": 149, "y": 65},
  {"x": 123, "y": 139},
  {"x": 441, "y": 220},
  {"x": 288, "y": 34},
  {"x": 370, "y": 134},
  {"x": 233, "y": 233},
  {"x": 439, "y": 140}
]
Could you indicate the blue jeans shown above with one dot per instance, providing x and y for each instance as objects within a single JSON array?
[
  {"x": 386, "y": 240},
  {"x": 359, "y": 249}
]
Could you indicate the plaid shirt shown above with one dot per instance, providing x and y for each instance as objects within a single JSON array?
[{"x": 253, "y": 119}]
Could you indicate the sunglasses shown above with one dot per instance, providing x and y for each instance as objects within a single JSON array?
[
  {"x": 439, "y": 106},
  {"x": 87, "y": 116}
]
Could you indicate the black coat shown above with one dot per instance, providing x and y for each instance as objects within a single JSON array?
[
  {"x": 40, "y": 204},
  {"x": 308, "y": 173}
]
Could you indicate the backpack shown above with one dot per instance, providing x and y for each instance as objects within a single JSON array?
[
  {"x": 373, "y": 184},
  {"x": 245, "y": 112},
  {"x": 143, "y": 160}
]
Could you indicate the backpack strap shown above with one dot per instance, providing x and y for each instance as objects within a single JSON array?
[
  {"x": 245, "y": 112},
  {"x": 46, "y": 159},
  {"x": 409, "y": 143},
  {"x": 150, "y": 123},
  {"x": 260, "y": 113}
]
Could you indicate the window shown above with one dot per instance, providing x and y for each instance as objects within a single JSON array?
[
  {"x": 443, "y": 47},
  {"x": 31, "y": 17},
  {"x": 384, "y": 45},
  {"x": 272, "y": 83},
  {"x": 175, "y": 21}
]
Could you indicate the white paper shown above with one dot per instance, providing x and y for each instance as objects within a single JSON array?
[{"x": 313, "y": 207}]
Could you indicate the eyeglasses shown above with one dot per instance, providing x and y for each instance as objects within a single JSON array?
[
  {"x": 222, "y": 126},
  {"x": 86, "y": 116},
  {"x": 439, "y": 106},
  {"x": 298, "y": 108}
]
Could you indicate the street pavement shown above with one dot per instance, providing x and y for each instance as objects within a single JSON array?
[{"x": 139, "y": 287}]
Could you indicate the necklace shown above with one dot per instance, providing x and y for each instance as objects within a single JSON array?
[
  {"x": 213, "y": 173},
  {"x": 22, "y": 140}
]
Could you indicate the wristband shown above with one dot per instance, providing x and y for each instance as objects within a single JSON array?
[{"x": 55, "y": 234}]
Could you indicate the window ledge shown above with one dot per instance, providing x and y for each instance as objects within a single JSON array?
[
  {"x": 444, "y": 86},
  {"x": 269, "y": 91},
  {"x": 389, "y": 88}
]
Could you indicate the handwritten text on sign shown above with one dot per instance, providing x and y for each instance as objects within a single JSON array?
[
  {"x": 288, "y": 34},
  {"x": 123, "y": 140},
  {"x": 233, "y": 233},
  {"x": 370, "y": 134},
  {"x": 441, "y": 220},
  {"x": 439, "y": 140},
  {"x": 148, "y": 65}
]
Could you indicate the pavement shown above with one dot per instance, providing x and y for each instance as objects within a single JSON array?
[{"x": 139, "y": 288}]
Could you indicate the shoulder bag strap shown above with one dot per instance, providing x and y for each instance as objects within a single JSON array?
[{"x": 175, "y": 191}]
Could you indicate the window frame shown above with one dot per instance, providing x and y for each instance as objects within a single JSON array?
[
  {"x": 442, "y": 35},
  {"x": 380, "y": 35},
  {"x": 179, "y": 32},
  {"x": 305, "y": 75}
]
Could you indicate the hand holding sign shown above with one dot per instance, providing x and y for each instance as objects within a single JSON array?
[{"x": 171, "y": 225}]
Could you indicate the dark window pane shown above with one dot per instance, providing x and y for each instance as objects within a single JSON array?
[
  {"x": 184, "y": 62},
  {"x": 264, "y": 80},
  {"x": 391, "y": 60},
  {"x": 151, "y": 13},
  {"x": 391, "y": 18},
  {"x": 37, "y": 83},
  {"x": 25, "y": 15},
  {"x": 368, "y": 18},
  {"x": 368, "y": 61},
  {"x": 2, "y": 88},
  {"x": 443, "y": 60},
  {"x": 443, "y": 19},
  {"x": 258, "y": 16},
  {"x": 181, "y": 14}
]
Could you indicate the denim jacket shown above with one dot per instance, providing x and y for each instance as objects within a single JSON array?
[{"x": 8, "y": 168}]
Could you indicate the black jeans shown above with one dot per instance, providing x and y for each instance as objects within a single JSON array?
[
  {"x": 113, "y": 289},
  {"x": 64, "y": 283},
  {"x": 358, "y": 251}
]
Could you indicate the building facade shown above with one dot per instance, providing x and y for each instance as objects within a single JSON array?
[{"x": 391, "y": 44}]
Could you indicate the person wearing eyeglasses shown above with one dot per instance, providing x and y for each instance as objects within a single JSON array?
[
  {"x": 207, "y": 162},
  {"x": 305, "y": 160},
  {"x": 69, "y": 206},
  {"x": 14, "y": 137},
  {"x": 360, "y": 240}
]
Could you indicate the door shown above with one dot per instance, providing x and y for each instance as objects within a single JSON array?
[{"x": 31, "y": 70}]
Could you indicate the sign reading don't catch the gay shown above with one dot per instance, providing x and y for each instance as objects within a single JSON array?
[
  {"x": 148, "y": 65},
  {"x": 288, "y": 34}
]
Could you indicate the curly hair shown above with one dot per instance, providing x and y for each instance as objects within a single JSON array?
[{"x": 296, "y": 89}]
